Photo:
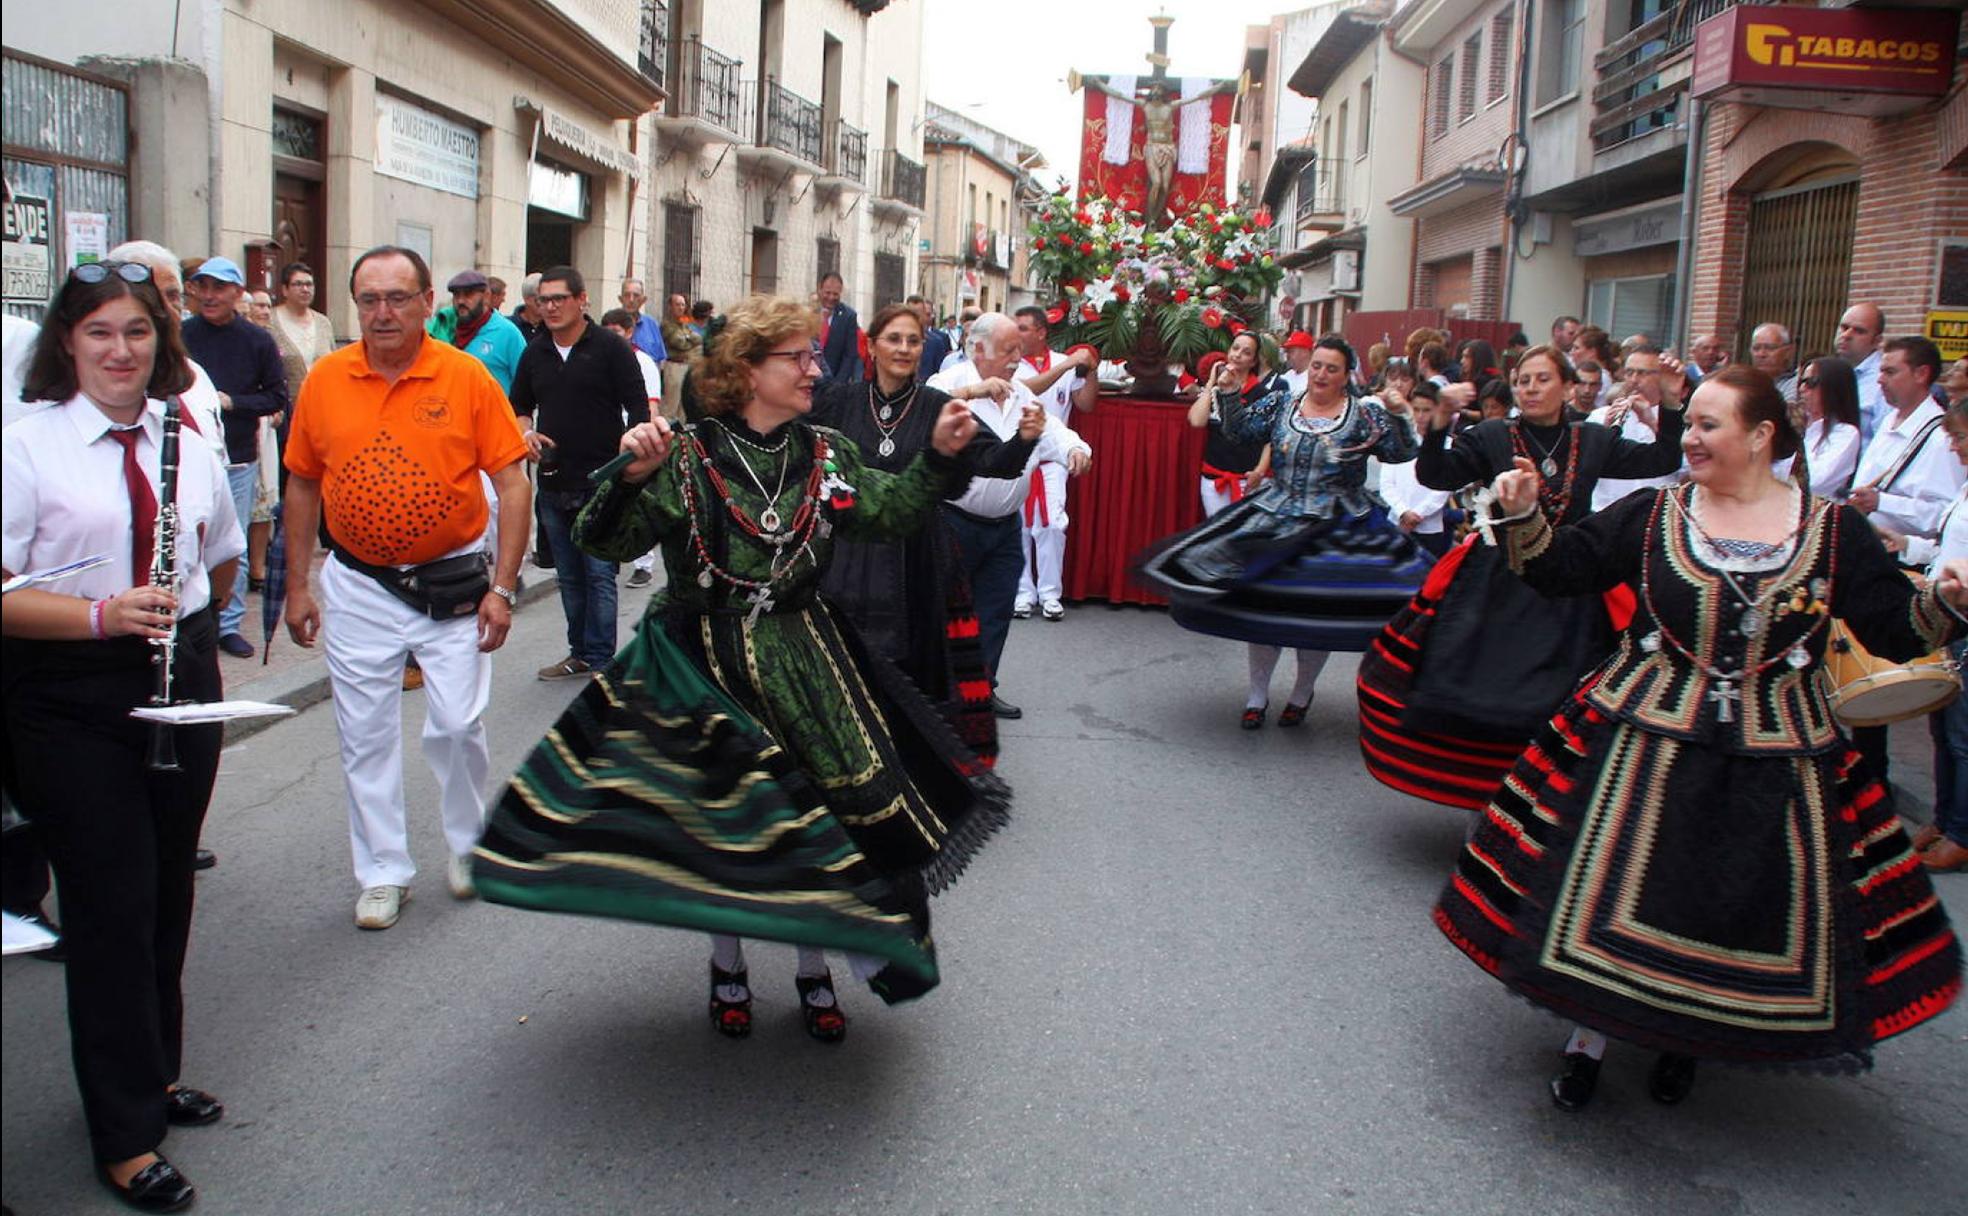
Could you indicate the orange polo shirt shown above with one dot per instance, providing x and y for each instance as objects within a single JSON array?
[{"x": 399, "y": 463}]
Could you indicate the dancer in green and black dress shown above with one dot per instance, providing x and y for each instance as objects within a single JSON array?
[{"x": 742, "y": 767}]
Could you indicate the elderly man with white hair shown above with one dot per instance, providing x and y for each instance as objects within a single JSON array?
[
  {"x": 987, "y": 518},
  {"x": 202, "y": 398}
]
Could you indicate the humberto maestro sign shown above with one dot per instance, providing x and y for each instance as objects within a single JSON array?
[{"x": 1855, "y": 60}]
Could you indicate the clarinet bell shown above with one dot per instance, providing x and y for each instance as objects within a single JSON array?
[{"x": 163, "y": 748}]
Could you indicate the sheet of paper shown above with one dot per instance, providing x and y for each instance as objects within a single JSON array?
[
  {"x": 198, "y": 713},
  {"x": 48, "y": 576},
  {"x": 24, "y": 937}
]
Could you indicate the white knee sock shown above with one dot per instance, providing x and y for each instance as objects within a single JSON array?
[
  {"x": 727, "y": 952},
  {"x": 1586, "y": 1043},
  {"x": 1263, "y": 661},
  {"x": 1310, "y": 664}
]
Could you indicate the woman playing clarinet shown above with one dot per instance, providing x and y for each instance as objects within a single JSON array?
[{"x": 99, "y": 475}]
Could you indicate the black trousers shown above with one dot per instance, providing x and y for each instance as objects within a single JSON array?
[
  {"x": 992, "y": 556},
  {"x": 121, "y": 839}
]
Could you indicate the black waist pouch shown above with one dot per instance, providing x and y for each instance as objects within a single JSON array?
[{"x": 442, "y": 590}]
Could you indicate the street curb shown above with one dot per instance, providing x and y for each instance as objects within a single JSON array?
[{"x": 306, "y": 685}]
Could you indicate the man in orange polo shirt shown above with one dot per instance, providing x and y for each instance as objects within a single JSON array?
[{"x": 391, "y": 434}]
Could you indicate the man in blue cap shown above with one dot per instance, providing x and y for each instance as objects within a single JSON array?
[{"x": 245, "y": 366}]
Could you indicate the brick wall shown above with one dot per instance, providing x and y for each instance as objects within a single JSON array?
[
  {"x": 1478, "y": 138},
  {"x": 1473, "y": 228},
  {"x": 1912, "y": 190}
]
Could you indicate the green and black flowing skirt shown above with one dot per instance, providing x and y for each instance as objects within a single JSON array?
[
  {"x": 771, "y": 781},
  {"x": 1762, "y": 910}
]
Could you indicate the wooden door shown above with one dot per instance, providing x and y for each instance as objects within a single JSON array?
[{"x": 300, "y": 229}]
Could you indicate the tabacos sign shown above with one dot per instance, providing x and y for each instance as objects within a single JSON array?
[{"x": 1784, "y": 55}]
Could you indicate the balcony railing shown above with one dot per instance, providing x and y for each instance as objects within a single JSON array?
[
  {"x": 707, "y": 87},
  {"x": 850, "y": 148},
  {"x": 1322, "y": 193},
  {"x": 653, "y": 42},
  {"x": 785, "y": 121},
  {"x": 902, "y": 179},
  {"x": 1629, "y": 100}
]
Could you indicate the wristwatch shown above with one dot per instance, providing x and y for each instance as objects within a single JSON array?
[{"x": 507, "y": 594}]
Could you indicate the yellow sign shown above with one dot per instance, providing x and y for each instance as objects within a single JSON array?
[{"x": 1949, "y": 331}]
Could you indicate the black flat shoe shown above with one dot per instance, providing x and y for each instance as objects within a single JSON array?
[
  {"x": 1671, "y": 1079},
  {"x": 188, "y": 1107},
  {"x": 825, "y": 1021},
  {"x": 1005, "y": 709},
  {"x": 733, "y": 1019},
  {"x": 1253, "y": 719},
  {"x": 1294, "y": 715},
  {"x": 1577, "y": 1077},
  {"x": 204, "y": 859},
  {"x": 158, "y": 1187}
]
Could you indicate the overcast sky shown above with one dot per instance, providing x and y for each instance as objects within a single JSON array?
[{"x": 1004, "y": 62}]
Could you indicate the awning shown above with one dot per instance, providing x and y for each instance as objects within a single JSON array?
[{"x": 591, "y": 146}]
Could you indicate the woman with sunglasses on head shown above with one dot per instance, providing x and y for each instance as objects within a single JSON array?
[
  {"x": 1829, "y": 392},
  {"x": 1456, "y": 683},
  {"x": 745, "y": 766},
  {"x": 908, "y": 596},
  {"x": 1310, "y": 560},
  {"x": 106, "y": 472}
]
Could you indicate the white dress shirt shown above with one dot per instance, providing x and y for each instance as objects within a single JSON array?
[
  {"x": 1058, "y": 399},
  {"x": 1833, "y": 458},
  {"x": 995, "y": 497},
  {"x": 202, "y": 398},
  {"x": 63, "y": 499},
  {"x": 1952, "y": 545},
  {"x": 1294, "y": 382},
  {"x": 1403, "y": 493},
  {"x": 652, "y": 380},
  {"x": 1611, "y": 489},
  {"x": 14, "y": 355},
  {"x": 1873, "y": 410},
  {"x": 1913, "y": 503}
]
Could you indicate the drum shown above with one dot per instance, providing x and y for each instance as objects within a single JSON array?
[{"x": 1868, "y": 691}]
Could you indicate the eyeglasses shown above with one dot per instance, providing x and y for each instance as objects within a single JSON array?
[
  {"x": 553, "y": 301},
  {"x": 807, "y": 358},
  {"x": 96, "y": 272},
  {"x": 397, "y": 300}
]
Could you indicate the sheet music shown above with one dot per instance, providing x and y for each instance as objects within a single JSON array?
[
  {"x": 199, "y": 713},
  {"x": 24, "y": 936},
  {"x": 48, "y": 576}
]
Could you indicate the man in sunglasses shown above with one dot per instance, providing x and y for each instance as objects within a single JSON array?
[{"x": 245, "y": 365}]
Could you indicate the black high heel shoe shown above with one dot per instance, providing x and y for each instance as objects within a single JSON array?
[
  {"x": 1671, "y": 1078},
  {"x": 1253, "y": 719},
  {"x": 733, "y": 1019},
  {"x": 824, "y": 1022},
  {"x": 1578, "y": 1077},
  {"x": 1293, "y": 715}
]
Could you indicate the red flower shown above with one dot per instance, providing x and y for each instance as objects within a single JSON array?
[
  {"x": 1213, "y": 317},
  {"x": 1038, "y": 242},
  {"x": 1122, "y": 294},
  {"x": 1055, "y": 314},
  {"x": 1089, "y": 313},
  {"x": 1086, "y": 247},
  {"x": 1083, "y": 215},
  {"x": 1236, "y": 327},
  {"x": 1263, "y": 217},
  {"x": 1225, "y": 264},
  {"x": 1182, "y": 295},
  {"x": 1077, "y": 285}
]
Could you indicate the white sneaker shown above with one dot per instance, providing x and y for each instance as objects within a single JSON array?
[
  {"x": 1053, "y": 610},
  {"x": 1021, "y": 608},
  {"x": 460, "y": 876},
  {"x": 380, "y": 906}
]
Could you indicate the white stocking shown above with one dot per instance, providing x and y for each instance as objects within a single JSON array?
[
  {"x": 1586, "y": 1043},
  {"x": 1263, "y": 661},
  {"x": 1310, "y": 664}
]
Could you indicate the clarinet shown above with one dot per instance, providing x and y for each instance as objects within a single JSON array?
[{"x": 164, "y": 573}]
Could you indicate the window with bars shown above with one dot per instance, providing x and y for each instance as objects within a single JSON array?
[
  {"x": 890, "y": 273},
  {"x": 826, "y": 257},
  {"x": 1444, "y": 71},
  {"x": 1472, "y": 63},
  {"x": 1502, "y": 25},
  {"x": 653, "y": 44},
  {"x": 679, "y": 251}
]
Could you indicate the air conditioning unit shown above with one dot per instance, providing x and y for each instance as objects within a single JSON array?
[{"x": 1346, "y": 270}]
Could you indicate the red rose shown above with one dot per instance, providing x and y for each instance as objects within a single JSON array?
[
  {"x": 1083, "y": 215},
  {"x": 1122, "y": 294},
  {"x": 1236, "y": 327},
  {"x": 1213, "y": 318},
  {"x": 1089, "y": 313},
  {"x": 1055, "y": 314},
  {"x": 1086, "y": 247},
  {"x": 1038, "y": 242},
  {"x": 1076, "y": 285},
  {"x": 1263, "y": 217},
  {"x": 1182, "y": 295}
]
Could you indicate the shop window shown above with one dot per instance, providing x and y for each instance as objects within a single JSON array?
[{"x": 1625, "y": 307}]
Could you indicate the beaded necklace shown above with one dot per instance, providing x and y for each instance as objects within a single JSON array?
[
  {"x": 807, "y": 521},
  {"x": 1554, "y": 492},
  {"x": 1726, "y": 690}
]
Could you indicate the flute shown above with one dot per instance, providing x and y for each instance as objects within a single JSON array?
[{"x": 164, "y": 573}]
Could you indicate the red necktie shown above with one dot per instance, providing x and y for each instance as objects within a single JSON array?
[
  {"x": 826, "y": 327},
  {"x": 143, "y": 507}
]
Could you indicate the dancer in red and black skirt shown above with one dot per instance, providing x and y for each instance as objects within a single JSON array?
[
  {"x": 1690, "y": 856},
  {"x": 1461, "y": 679}
]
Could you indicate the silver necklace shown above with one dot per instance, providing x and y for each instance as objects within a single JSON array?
[
  {"x": 883, "y": 410},
  {"x": 768, "y": 519},
  {"x": 1549, "y": 465},
  {"x": 785, "y": 437}
]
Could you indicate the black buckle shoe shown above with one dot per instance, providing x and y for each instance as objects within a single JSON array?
[
  {"x": 733, "y": 1019},
  {"x": 157, "y": 1187},
  {"x": 1005, "y": 709},
  {"x": 1577, "y": 1077},
  {"x": 824, "y": 1022},
  {"x": 188, "y": 1107},
  {"x": 1671, "y": 1079}
]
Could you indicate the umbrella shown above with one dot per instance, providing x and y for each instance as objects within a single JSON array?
[{"x": 273, "y": 595}]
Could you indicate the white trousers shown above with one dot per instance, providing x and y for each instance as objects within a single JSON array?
[
  {"x": 1044, "y": 540},
  {"x": 369, "y": 632}
]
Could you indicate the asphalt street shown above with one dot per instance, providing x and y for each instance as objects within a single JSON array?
[{"x": 1197, "y": 975}]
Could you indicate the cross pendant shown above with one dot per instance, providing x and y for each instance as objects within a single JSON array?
[
  {"x": 1726, "y": 695},
  {"x": 761, "y": 601}
]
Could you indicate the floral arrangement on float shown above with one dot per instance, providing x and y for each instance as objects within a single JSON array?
[{"x": 1152, "y": 297}]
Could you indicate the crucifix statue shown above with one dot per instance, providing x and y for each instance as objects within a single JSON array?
[{"x": 1160, "y": 100}]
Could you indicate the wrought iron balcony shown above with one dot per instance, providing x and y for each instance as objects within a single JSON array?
[
  {"x": 653, "y": 41},
  {"x": 707, "y": 89},
  {"x": 1322, "y": 193},
  {"x": 787, "y": 122},
  {"x": 902, "y": 180},
  {"x": 850, "y": 152}
]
